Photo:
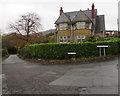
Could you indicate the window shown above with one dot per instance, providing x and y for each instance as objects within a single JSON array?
[
  {"x": 57, "y": 27},
  {"x": 80, "y": 25},
  {"x": 90, "y": 26},
  {"x": 80, "y": 38},
  {"x": 63, "y": 26},
  {"x": 63, "y": 39},
  {"x": 68, "y": 38},
  {"x": 69, "y": 28},
  {"x": 87, "y": 25}
]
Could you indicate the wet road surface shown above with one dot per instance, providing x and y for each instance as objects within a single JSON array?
[{"x": 23, "y": 77}]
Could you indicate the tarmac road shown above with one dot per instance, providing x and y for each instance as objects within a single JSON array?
[{"x": 23, "y": 77}]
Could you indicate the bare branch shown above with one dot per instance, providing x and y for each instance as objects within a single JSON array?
[{"x": 27, "y": 25}]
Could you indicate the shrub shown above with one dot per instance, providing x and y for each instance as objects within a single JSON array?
[
  {"x": 90, "y": 38},
  {"x": 24, "y": 53},
  {"x": 4, "y": 52},
  {"x": 60, "y": 50},
  {"x": 100, "y": 39}
]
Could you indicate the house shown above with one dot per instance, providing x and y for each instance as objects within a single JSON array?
[{"x": 77, "y": 25}]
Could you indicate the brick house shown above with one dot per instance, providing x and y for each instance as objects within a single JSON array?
[{"x": 77, "y": 25}]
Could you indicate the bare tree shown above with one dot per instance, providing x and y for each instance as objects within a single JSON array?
[{"x": 27, "y": 25}]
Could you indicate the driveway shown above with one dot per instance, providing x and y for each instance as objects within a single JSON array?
[{"x": 22, "y": 77}]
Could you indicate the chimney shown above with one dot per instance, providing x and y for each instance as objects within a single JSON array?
[
  {"x": 61, "y": 11},
  {"x": 93, "y": 11}
]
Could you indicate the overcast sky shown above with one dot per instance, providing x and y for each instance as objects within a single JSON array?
[{"x": 48, "y": 10}]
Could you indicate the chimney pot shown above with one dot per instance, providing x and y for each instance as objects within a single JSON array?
[
  {"x": 93, "y": 11},
  {"x": 61, "y": 11}
]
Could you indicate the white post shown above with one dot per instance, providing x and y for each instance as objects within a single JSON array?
[
  {"x": 100, "y": 51},
  {"x": 104, "y": 51}
]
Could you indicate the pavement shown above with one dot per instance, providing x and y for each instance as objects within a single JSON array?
[{"x": 24, "y": 77}]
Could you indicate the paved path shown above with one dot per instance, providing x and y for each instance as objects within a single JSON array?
[{"x": 33, "y": 78}]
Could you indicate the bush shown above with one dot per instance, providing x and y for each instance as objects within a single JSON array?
[
  {"x": 90, "y": 38},
  {"x": 4, "y": 52},
  {"x": 100, "y": 39},
  {"x": 60, "y": 50},
  {"x": 24, "y": 53}
]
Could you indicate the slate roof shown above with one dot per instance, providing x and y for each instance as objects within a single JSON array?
[
  {"x": 62, "y": 19},
  {"x": 76, "y": 16},
  {"x": 85, "y": 15},
  {"x": 81, "y": 16}
]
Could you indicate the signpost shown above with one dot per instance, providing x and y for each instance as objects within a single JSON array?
[{"x": 100, "y": 47}]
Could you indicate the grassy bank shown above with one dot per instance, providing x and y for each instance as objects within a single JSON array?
[{"x": 73, "y": 60}]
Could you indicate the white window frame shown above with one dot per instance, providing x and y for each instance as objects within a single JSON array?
[
  {"x": 90, "y": 26},
  {"x": 68, "y": 38},
  {"x": 69, "y": 27},
  {"x": 64, "y": 39},
  {"x": 57, "y": 27},
  {"x": 78, "y": 37},
  {"x": 61, "y": 39},
  {"x": 80, "y": 25},
  {"x": 81, "y": 37},
  {"x": 63, "y": 26}
]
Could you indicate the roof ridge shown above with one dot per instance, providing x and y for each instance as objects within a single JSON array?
[
  {"x": 79, "y": 10},
  {"x": 71, "y": 12}
]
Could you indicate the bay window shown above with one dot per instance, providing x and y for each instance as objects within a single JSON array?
[
  {"x": 80, "y": 38},
  {"x": 80, "y": 25},
  {"x": 63, "y": 26},
  {"x": 63, "y": 39}
]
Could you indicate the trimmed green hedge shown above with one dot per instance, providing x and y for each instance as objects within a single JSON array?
[
  {"x": 60, "y": 50},
  {"x": 4, "y": 52}
]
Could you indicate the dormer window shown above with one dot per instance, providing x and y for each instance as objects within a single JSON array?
[
  {"x": 63, "y": 26},
  {"x": 80, "y": 25}
]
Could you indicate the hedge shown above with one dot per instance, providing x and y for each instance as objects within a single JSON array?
[
  {"x": 60, "y": 50},
  {"x": 24, "y": 53},
  {"x": 4, "y": 52}
]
